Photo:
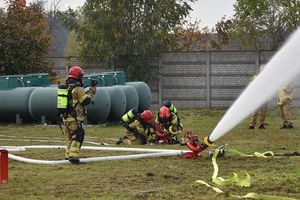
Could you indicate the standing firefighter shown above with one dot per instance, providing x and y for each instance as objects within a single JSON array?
[
  {"x": 71, "y": 101},
  {"x": 284, "y": 101},
  {"x": 138, "y": 126},
  {"x": 261, "y": 112}
]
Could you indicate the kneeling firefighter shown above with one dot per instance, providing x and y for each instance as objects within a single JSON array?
[
  {"x": 138, "y": 126},
  {"x": 71, "y": 101},
  {"x": 168, "y": 124}
]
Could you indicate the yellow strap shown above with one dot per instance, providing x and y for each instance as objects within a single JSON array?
[
  {"x": 255, "y": 154},
  {"x": 241, "y": 179},
  {"x": 262, "y": 197},
  {"x": 214, "y": 188}
]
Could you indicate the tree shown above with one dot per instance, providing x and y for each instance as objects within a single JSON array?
[
  {"x": 72, "y": 44},
  {"x": 192, "y": 37},
  {"x": 223, "y": 29},
  {"x": 264, "y": 24},
  {"x": 129, "y": 32},
  {"x": 23, "y": 38}
]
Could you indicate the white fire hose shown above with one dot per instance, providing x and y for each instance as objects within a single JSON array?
[{"x": 150, "y": 153}]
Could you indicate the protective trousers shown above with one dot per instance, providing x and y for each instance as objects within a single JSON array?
[
  {"x": 74, "y": 143},
  {"x": 285, "y": 110},
  {"x": 134, "y": 138},
  {"x": 262, "y": 111}
]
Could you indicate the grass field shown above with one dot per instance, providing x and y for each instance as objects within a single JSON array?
[{"x": 154, "y": 178}]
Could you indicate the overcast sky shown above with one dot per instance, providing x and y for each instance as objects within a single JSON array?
[{"x": 208, "y": 11}]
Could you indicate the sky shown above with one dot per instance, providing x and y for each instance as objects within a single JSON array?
[{"x": 208, "y": 11}]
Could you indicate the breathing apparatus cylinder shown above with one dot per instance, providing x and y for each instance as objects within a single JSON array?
[
  {"x": 130, "y": 116},
  {"x": 171, "y": 106},
  {"x": 62, "y": 98}
]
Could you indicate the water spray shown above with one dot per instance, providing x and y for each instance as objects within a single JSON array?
[{"x": 280, "y": 70}]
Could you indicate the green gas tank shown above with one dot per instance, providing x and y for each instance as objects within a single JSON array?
[
  {"x": 10, "y": 82},
  {"x": 43, "y": 104},
  {"x": 15, "y": 102},
  {"x": 109, "y": 79},
  {"x": 118, "y": 102},
  {"x": 99, "y": 109},
  {"x": 144, "y": 93},
  {"x": 132, "y": 97},
  {"x": 39, "y": 79},
  {"x": 119, "y": 76},
  {"x": 87, "y": 79}
]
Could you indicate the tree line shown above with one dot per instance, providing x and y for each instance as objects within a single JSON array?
[{"x": 129, "y": 33}]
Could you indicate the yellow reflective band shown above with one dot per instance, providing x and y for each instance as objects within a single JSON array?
[
  {"x": 173, "y": 108},
  {"x": 171, "y": 130},
  {"x": 128, "y": 116}
]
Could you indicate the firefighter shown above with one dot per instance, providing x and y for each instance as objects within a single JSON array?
[
  {"x": 139, "y": 130},
  {"x": 74, "y": 117},
  {"x": 169, "y": 124},
  {"x": 284, "y": 101},
  {"x": 261, "y": 112}
]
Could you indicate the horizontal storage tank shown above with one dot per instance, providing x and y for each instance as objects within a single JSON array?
[
  {"x": 39, "y": 80},
  {"x": 43, "y": 102},
  {"x": 13, "y": 102},
  {"x": 119, "y": 75},
  {"x": 11, "y": 81},
  {"x": 100, "y": 106},
  {"x": 109, "y": 79},
  {"x": 87, "y": 79},
  {"x": 132, "y": 97},
  {"x": 144, "y": 93},
  {"x": 118, "y": 102}
]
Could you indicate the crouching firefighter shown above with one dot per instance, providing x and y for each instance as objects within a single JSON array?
[
  {"x": 169, "y": 124},
  {"x": 138, "y": 127},
  {"x": 70, "y": 102}
]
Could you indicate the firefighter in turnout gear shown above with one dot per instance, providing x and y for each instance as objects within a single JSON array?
[
  {"x": 284, "y": 101},
  {"x": 139, "y": 128},
  {"x": 169, "y": 123},
  {"x": 261, "y": 112},
  {"x": 73, "y": 115}
]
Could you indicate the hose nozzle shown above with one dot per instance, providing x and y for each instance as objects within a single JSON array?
[{"x": 207, "y": 142}]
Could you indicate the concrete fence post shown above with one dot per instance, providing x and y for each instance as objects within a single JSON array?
[
  {"x": 208, "y": 79},
  {"x": 160, "y": 82}
]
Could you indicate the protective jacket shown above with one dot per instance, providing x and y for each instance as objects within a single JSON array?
[
  {"x": 79, "y": 98},
  {"x": 138, "y": 132},
  {"x": 172, "y": 124},
  {"x": 285, "y": 94}
]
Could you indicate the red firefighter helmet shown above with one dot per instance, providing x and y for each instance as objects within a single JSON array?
[
  {"x": 76, "y": 72},
  {"x": 164, "y": 112},
  {"x": 147, "y": 116}
]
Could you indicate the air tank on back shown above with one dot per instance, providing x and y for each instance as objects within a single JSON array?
[
  {"x": 98, "y": 110},
  {"x": 13, "y": 102},
  {"x": 144, "y": 93},
  {"x": 118, "y": 102},
  {"x": 43, "y": 102},
  {"x": 132, "y": 97}
]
